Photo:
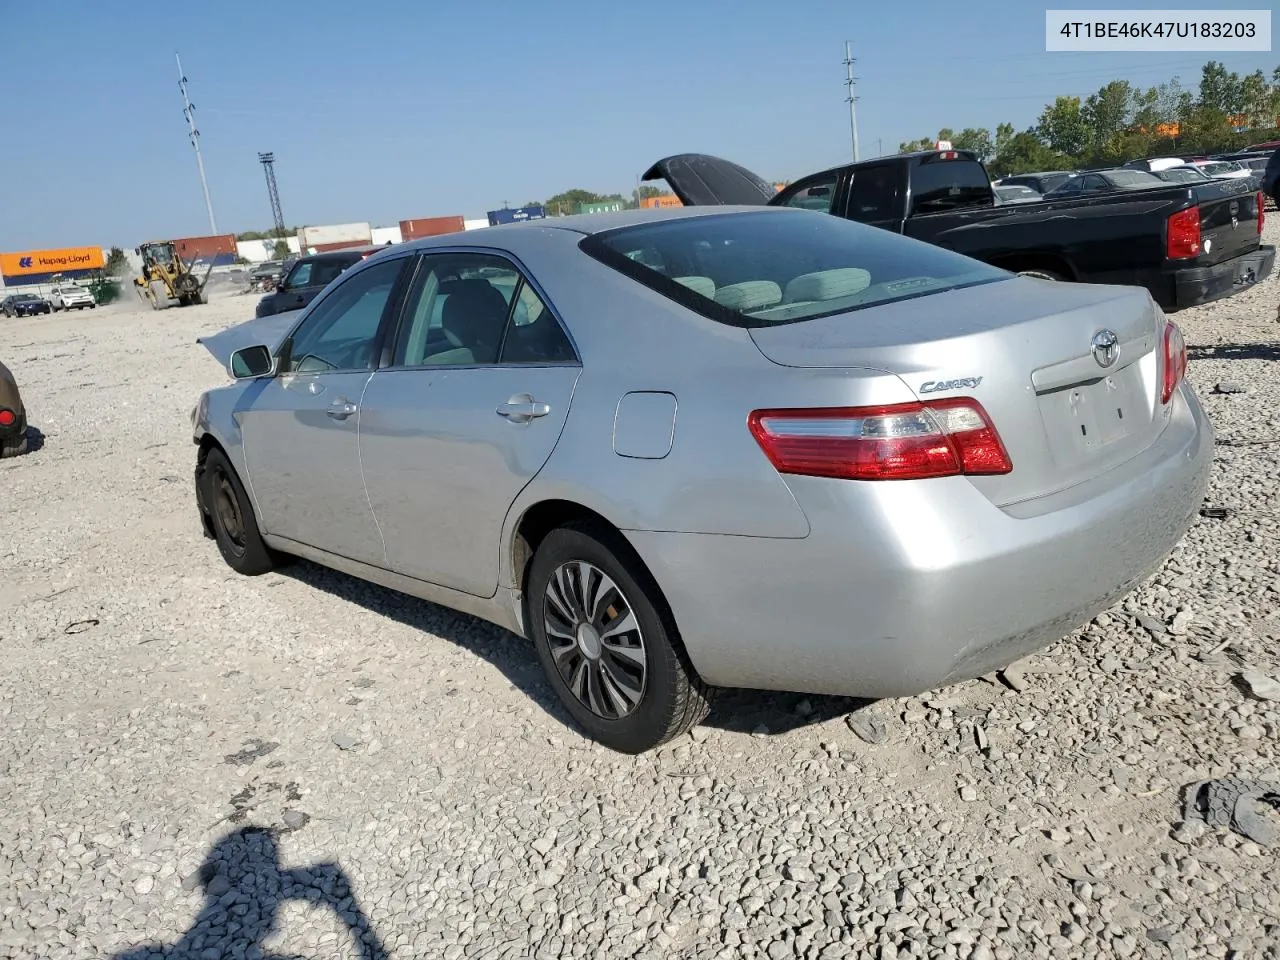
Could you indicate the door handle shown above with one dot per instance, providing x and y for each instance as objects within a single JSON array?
[
  {"x": 522, "y": 408},
  {"x": 340, "y": 409}
]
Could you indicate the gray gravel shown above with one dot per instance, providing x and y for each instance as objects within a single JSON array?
[{"x": 213, "y": 766}]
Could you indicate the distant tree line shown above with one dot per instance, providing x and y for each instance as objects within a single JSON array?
[{"x": 1122, "y": 121}]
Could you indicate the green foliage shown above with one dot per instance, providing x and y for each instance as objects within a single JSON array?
[
  {"x": 266, "y": 234},
  {"x": 280, "y": 251},
  {"x": 117, "y": 264},
  {"x": 1121, "y": 121}
]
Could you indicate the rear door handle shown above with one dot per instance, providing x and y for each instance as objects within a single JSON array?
[
  {"x": 340, "y": 409},
  {"x": 522, "y": 408}
]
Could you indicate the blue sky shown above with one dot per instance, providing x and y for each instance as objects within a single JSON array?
[{"x": 389, "y": 110}]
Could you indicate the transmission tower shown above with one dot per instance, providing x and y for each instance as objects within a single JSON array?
[
  {"x": 188, "y": 111},
  {"x": 852, "y": 98},
  {"x": 268, "y": 161}
]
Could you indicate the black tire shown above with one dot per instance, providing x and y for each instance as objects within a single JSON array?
[
  {"x": 14, "y": 447},
  {"x": 672, "y": 697},
  {"x": 1042, "y": 275},
  {"x": 235, "y": 528}
]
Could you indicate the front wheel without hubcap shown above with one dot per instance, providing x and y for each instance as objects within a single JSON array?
[
  {"x": 607, "y": 641},
  {"x": 234, "y": 526}
]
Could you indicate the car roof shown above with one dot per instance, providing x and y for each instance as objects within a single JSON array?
[{"x": 344, "y": 252}]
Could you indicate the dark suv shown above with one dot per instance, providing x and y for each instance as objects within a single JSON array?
[{"x": 308, "y": 276}]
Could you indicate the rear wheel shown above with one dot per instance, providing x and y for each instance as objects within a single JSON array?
[
  {"x": 159, "y": 295},
  {"x": 234, "y": 526},
  {"x": 608, "y": 642}
]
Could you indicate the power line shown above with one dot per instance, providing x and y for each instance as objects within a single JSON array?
[
  {"x": 268, "y": 161},
  {"x": 188, "y": 111},
  {"x": 852, "y": 98}
]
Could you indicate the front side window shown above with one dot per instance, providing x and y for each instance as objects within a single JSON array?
[
  {"x": 341, "y": 333},
  {"x": 817, "y": 195},
  {"x": 300, "y": 275},
  {"x": 761, "y": 268}
]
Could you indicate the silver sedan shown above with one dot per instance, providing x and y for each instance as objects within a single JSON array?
[{"x": 710, "y": 447}]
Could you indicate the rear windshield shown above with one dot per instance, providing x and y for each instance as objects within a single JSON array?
[
  {"x": 757, "y": 269},
  {"x": 938, "y": 185}
]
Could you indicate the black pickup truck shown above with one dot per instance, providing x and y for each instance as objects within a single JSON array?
[{"x": 1186, "y": 243}]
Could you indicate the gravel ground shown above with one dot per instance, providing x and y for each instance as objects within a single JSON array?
[{"x": 199, "y": 764}]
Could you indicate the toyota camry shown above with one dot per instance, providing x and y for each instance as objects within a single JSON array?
[{"x": 714, "y": 447}]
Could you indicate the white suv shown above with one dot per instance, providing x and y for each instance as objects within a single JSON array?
[{"x": 64, "y": 298}]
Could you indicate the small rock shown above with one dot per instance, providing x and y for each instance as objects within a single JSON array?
[
  {"x": 699, "y": 734},
  {"x": 968, "y": 794},
  {"x": 344, "y": 741},
  {"x": 1260, "y": 685},
  {"x": 1014, "y": 677},
  {"x": 798, "y": 873},
  {"x": 1160, "y": 934},
  {"x": 762, "y": 730},
  {"x": 1190, "y": 831},
  {"x": 1058, "y": 835},
  {"x": 1181, "y": 621},
  {"x": 1152, "y": 626},
  {"x": 868, "y": 728},
  {"x": 1229, "y": 386},
  {"x": 143, "y": 885},
  {"x": 1251, "y": 731},
  {"x": 218, "y": 886},
  {"x": 295, "y": 819}
]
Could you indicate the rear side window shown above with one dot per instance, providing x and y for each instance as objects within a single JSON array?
[
  {"x": 938, "y": 185},
  {"x": 758, "y": 269}
]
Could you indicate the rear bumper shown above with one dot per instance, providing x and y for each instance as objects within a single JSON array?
[
  {"x": 901, "y": 588},
  {"x": 1199, "y": 285}
]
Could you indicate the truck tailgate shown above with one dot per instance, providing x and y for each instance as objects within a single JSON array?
[{"x": 1229, "y": 212}]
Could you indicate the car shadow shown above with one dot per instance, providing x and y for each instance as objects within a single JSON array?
[
  {"x": 740, "y": 711},
  {"x": 1235, "y": 351},
  {"x": 35, "y": 439},
  {"x": 244, "y": 888}
]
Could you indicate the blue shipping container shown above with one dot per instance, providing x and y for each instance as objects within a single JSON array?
[{"x": 517, "y": 215}]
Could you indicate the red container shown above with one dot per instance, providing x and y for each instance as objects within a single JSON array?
[
  {"x": 206, "y": 248},
  {"x": 429, "y": 227}
]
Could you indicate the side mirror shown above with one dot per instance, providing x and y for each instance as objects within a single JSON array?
[{"x": 249, "y": 363}]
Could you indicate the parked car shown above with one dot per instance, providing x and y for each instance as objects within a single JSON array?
[
  {"x": 308, "y": 276},
  {"x": 71, "y": 296},
  {"x": 1014, "y": 193},
  {"x": 1223, "y": 169},
  {"x": 1154, "y": 164},
  {"x": 13, "y": 416},
  {"x": 734, "y": 446},
  {"x": 1095, "y": 182},
  {"x": 1186, "y": 244},
  {"x": 1039, "y": 182},
  {"x": 24, "y": 305}
]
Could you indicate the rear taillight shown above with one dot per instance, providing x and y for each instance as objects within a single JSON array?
[
  {"x": 905, "y": 441},
  {"x": 7, "y": 418},
  {"x": 1184, "y": 234},
  {"x": 1262, "y": 202},
  {"x": 1175, "y": 360}
]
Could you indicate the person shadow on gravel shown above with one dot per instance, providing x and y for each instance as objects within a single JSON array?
[{"x": 245, "y": 887}]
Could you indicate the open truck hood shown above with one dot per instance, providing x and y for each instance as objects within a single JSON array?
[
  {"x": 700, "y": 180},
  {"x": 268, "y": 331}
]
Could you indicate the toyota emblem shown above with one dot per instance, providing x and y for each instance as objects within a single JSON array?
[{"x": 1105, "y": 348}]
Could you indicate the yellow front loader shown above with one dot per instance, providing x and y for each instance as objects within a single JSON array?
[{"x": 166, "y": 279}]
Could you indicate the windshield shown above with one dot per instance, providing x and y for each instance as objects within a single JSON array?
[
  {"x": 1182, "y": 175},
  {"x": 1133, "y": 178},
  {"x": 757, "y": 269}
]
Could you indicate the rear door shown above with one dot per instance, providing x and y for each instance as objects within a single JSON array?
[{"x": 468, "y": 412}]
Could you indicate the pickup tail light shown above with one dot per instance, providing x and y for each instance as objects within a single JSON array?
[
  {"x": 1262, "y": 217},
  {"x": 905, "y": 441},
  {"x": 1175, "y": 360},
  {"x": 1183, "y": 234},
  {"x": 7, "y": 417}
]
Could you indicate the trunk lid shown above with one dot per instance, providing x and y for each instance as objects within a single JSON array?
[
  {"x": 700, "y": 180},
  {"x": 1023, "y": 348},
  {"x": 268, "y": 331},
  {"x": 1228, "y": 220}
]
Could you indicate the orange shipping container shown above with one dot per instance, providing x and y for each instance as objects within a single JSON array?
[
  {"x": 215, "y": 248},
  {"x": 31, "y": 263},
  {"x": 429, "y": 227},
  {"x": 661, "y": 200}
]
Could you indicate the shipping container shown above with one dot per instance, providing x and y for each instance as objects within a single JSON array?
[
  {"x": 430, "y": 227},
  {"x": 344, "y": 233},
  {"x": 218, "y": 250},
  {"x": 384, "y": 235},
  {"x": 37, "y": 266},
  {"x": 661, "y": 200},
  {"x": 475, "y": 223},
  {"x": 518, "y": 215},
  {"x": 602, "y": 206}
]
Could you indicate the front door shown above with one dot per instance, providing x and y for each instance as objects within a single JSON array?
[
  {"x": 466, "y": 415},
  {"x": 301, "y": 431}
]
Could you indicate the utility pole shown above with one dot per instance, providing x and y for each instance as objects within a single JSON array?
[
  {"x": 268, "y": 161},
  {"x": 852, "y": 98},
  {"x": 188, "y": 111}
]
